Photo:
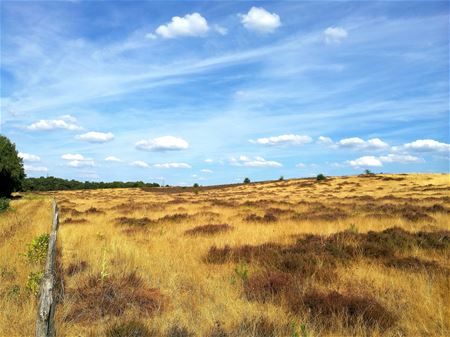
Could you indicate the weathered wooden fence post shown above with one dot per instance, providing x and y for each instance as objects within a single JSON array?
[{"x": 45, "y": 325}]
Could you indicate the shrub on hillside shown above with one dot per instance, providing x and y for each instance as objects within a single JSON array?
[
  {"x": 11, "y": 168},
  {"x": 4, "y": 204},
  {"x": 37, "y": 249},
  {"x": 320, "y": 177}
]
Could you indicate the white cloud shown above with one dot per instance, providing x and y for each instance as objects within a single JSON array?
[
  {"x": 300, "y": 165},
  {"x": 166, "y": 143},
  {"x": 140, "y": 163},
  {"x": 209, "y": 160},
  {"x": 82, "y": 163},
  {"x": 335, "y": 34},
  {"x": 29, "y": 157},
  {"x": 112, "y": 158},
  {"x": 70, "y": 156},
  {"x": 46, "y": 124},
  {"x": 78, "y": 160},
  {"x": 361, "y": 144},
  {"x": 283, "y": 140},
  {"x": 172, "y": 165},
  {"x": 151, "y": 36},
  {"x": 221, "y": 30},
  {"x": 255, "y": 162},
  {"x": 427, "y": 145},
  {"x": 96, "y": 137},
  {"x": 400, "y": 158},
  {"x": 366, "y": 161},
  {"x": 31, "y": 168},
  {"x": 206, "y": 171},
  {"x": 260, "y": 20},
  {"x": 324, "y": 140},
  {"x": 190, "y": 25}
]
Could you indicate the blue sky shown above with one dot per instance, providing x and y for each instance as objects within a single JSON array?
[{"x": 215, "y": 91}]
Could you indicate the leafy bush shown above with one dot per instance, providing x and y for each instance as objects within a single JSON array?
[
  {"x": 37, "y": 249},
  {"x": 281, "y": 178},
  {"x": 320, "y": 177},
  {"x": 4, "y": 204},
  {"x": 196, "y": 185},
  {"x": 247, "y": 180},
  {"x": 34, "y": 282}
]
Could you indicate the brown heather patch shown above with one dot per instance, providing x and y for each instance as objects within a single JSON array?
[
  {"x": 268, "y": 217},
  {"x": 266, "y": 286},
  {"x": 74, "y": 221},
  {"x": 97, "y": 298},
  {"x": 351, "y": 309},
  {"x": 209, "y": 229},
  {"x": 93, "y": 210},
  {"x": 140, "y": 222},
  {"x": 414, "y": 264},
  {"x": 76, "y": 267},
  {"x": 129, "y": 329}
]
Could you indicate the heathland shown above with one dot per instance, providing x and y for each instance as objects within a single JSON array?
[{"x": 348, "y": 256}]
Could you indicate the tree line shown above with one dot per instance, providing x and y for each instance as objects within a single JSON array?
[{"x": 55, "y": 184}]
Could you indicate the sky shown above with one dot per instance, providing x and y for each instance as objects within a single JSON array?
[{"x": 211, "y": 92}]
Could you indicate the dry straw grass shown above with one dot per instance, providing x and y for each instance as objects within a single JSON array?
[{"x": 349, "y": 256}]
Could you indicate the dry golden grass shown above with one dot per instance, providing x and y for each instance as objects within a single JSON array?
[{"x": 110, "y": 239}]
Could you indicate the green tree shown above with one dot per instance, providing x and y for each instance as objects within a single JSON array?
[
  {"x": 247, "y": 180},
  {"x": 11, "y": 168},
  {"x": 195, "y": 185},
  {"x": 320, "y": 177}
]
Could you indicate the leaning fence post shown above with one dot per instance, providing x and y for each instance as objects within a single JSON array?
[{"x": 45, "y": 325}]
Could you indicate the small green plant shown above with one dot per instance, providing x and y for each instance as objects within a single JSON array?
[
  {"x": 320, "y": 177},
  {"x": 247, "y": 180},
  {"x": 353, "y": 228},
  {"x": 304, "y": 331},
  {"x": 34, "y": 282},
  {"x": 37, "y": 249},
  {"x": 13, "y": 291},
  {"x": 4, "y": 204},
  {"x": 241, "y": 271}
]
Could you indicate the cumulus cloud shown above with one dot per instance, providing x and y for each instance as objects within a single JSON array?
[
  {"x": 283, "y": 140},
  {"x": 112, "y": 158},
  {"x": 78, "y": 160},
  {"x": 335, "y": 34},
  {"x": 81, "y": 163},
  {"x": 206, "y": 171},
  {"x": 209, "y": 160},
  {"x": 221, "y": 30},
  {"x": 427, "y": 145},
  {"x": 52, "y": 124},
  {"x": 172, "y": 165},
  {"x": 189, "y": 25},
  {"x": 29, "y": 157},
  {"x": 140, "y": 163},
  {"x": 366, "y": 161},
  {"x": 166, "y": 143},
  {"x": 260, "y": 20},
  {"x": 300, "y": 165},
  {"x": 361, "y": 144},
  {"x": 400, "y": 158},
  {"x": 31, "y": 168},
  {"x": 324, "y": 140},
  {"x": 254, "y": 162},
  {"x": 96, "y": 137}
]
